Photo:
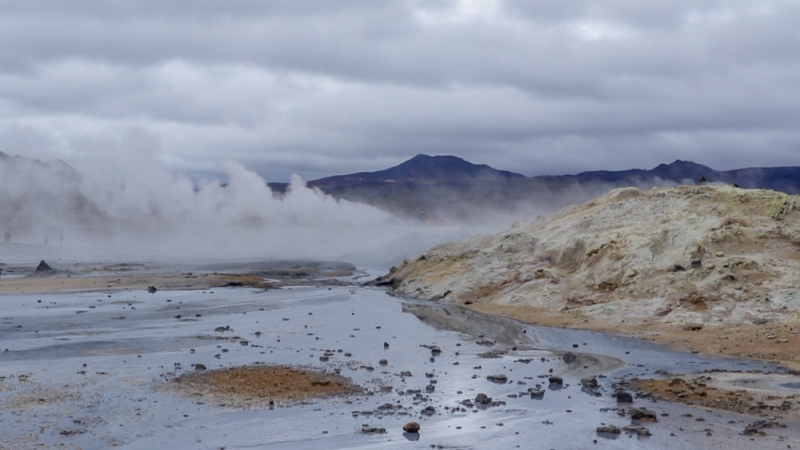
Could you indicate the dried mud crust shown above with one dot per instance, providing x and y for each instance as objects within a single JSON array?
[
  {"x": 117, "y": 282},
  {"x": 259, "y": 386},
  {"x": 777, "y": 343},
  {"x": 720, "y": 391}
]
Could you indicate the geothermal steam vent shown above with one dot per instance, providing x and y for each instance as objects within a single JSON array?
[{"x": 688, "y": 256}]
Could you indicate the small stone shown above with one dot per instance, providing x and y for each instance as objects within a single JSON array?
[
  {"x": 483, "y": 399},
  {"x": 624, "y": 397},
  {"x": 411, "y": 427},
  {"x": 637, "y": 429},
  {"x": 537, "y": 394},
  {"x": 610, "y": 429},
  {"x": 643, "y": 414},
  {"x": 497, "y": 378}
]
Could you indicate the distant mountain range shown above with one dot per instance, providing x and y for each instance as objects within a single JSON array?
[
  {"x": 424, "y": 189},
  {"x": 448, "y": 189}
]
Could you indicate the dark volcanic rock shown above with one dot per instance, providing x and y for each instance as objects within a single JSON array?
[
  {"x": 44, "y": 270},
  {"x": 610, "y": 429},
  {"x": 497, "y": 378},
  {"x": 624, "y": 397},
  {"x": 570, "y": 358},
  {"x": 637, "y": 429},
  {"x": 483, "y": 399},
  {"x": 590, "y": 382},
  {"x": 411, "y": 427},
  {"x": 643, "y": 414},
  {"x": 555, "y": 380}
]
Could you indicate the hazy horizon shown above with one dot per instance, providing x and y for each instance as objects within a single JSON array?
[{"x": 323, "y": 88}]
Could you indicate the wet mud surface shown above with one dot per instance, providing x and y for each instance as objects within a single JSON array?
[{"x": 89, "y": 370}]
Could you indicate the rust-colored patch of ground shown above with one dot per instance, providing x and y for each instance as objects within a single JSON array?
[
  {"x": 714, "y": 391},
  {"x": 254, "y": 386}
]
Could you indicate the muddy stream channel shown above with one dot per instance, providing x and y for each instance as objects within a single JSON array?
[{"x": 94, "y": 371}]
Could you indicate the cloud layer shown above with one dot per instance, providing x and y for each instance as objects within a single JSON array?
[{"x": 322, "y": 88}]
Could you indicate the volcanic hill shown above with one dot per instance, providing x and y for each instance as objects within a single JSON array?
[{"x": 668, "y": 260}]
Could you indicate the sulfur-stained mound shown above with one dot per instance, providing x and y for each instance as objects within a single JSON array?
[
  {"x": 260, "y": 386},
  {"x": 691, "y": 257}
]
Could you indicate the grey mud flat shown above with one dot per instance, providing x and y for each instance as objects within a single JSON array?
[{"x": 89, "y": 370}]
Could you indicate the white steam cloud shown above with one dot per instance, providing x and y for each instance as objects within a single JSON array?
[{"x": 151, "y": 213}]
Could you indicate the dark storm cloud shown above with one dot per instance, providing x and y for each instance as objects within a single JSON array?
[{"x": 319, "y": 88}]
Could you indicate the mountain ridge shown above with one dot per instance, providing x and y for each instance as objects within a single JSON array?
[{"x": 423, "y": 190}]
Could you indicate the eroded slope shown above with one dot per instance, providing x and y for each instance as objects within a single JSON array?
[{"x": 682, "y": 258}]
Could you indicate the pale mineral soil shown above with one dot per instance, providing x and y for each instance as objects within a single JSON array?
[{"x": 711, "y": 269}]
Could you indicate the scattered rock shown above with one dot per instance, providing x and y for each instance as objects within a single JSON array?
[
  {"x": 637, "y": 429},
  {"x": 624, "y": 397},
  {"x": 152, "y": 289},
  {"x": 497, "y": 378},
  {"x": 411, "y": 427},
  {"x": 608, "y": 429},
  {"x": 756, "y": 427},
  {"x": 373, "y": 430},
  {"x": 590, "y": 382},
  {"x": 483, "y": 399},
  {"x": 44, "y": 270},
  {"x": 642, "y": 414},
  {"x": 569, "y": 358},
  {"x": 555, "y": 380}
]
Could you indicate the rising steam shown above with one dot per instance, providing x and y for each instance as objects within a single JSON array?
[{"x": 160, "y": 215}]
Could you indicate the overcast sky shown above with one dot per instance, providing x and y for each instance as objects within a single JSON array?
[{"x": 324, "y": 87}]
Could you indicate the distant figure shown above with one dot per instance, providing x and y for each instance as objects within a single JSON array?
[
  {"x": 61, "y": 238},
  {"x": 46, "y": 239},
  {"x": 7, "y": 237},
  {"x": 702, "y": 181}
]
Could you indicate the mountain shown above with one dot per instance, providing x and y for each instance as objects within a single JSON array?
[
  {"x": 447, "y": 189},
  {"x": 421, "y": 169}
]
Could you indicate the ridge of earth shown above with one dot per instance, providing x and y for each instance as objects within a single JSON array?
[{"x": 714, "y": 269}]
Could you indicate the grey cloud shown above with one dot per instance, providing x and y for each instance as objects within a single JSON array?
[{"x": 319, "y": 88}]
